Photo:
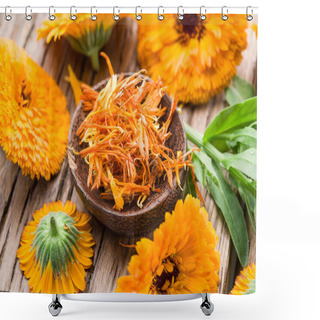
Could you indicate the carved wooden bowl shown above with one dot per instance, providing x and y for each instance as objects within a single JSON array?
[{"x": 131, "y": 221}]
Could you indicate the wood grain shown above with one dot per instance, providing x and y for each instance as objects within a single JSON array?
[{"x": 20, "y": 196}]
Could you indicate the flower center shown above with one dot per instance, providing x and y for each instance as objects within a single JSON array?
[
  {"x": 170, "y": 272},
  {"x": 191, "y": 27},
  {"x": 56, "y": 237},
  {"x": 24, "y": 97}
]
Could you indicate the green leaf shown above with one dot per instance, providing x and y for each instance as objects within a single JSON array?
[
  {"x": 238, "y": 91},
  {"x": 190, "y": 187},
  {"x": 210, "y": 150},
  {"x": 253, "y": 125},
  {"x": 228, "y": 203},
  {"x": 248, "y": 199},
  {"x": 250, "y": 202},
  {"x": 246, "y": 162},
  {"x": 232, "y": 118},
  {"x": 199, "y": 171},
  {"x": 242, "y": 139}
]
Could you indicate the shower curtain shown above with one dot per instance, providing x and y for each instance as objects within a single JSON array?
[{"x": 128, "y": 153}]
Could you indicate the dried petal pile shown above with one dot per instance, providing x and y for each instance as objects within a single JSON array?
[{"x": 126, "y": 150}]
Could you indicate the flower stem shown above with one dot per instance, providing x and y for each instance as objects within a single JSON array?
[
  {"x": 196, "y": 137},
  {"x": 94, "y": 57}
]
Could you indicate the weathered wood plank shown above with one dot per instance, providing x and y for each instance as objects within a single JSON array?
[
  {"x": 6, "y": 28},
  {"x": 123, "y": 36},
  {"x": 12, "y": 230}
]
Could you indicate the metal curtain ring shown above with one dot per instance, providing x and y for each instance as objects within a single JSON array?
[
  {"x": 180, "y": 14},
  {"x": 138, "y": 16},
  {"x": 93, "y": 16},
  {"x": 203, "y": 12},
  {"x": 249, "y": 16},
  {"x": 7, "y": 16},
  {"x": 51, "y": 15},
  {"x": 73, "y": 17},
  {"x": 224, "y": 13},
  {"x": 115, "y": 15},
  {"x": 160, "y": 16},
  {"x": 27, "y": 13}
]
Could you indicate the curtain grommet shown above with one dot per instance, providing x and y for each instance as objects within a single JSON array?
[
  {"x": 93, "y": 16},
  {"x": 51, "y": 16},
  {"x": 116, "y": 15},
  {"x": 160, "y": 16},
  {"x": 180, "y": 13},
  {"x": 203, "y": 13},
  {"x": 249, "y": 16},
  {"x": 224, "y": 13},
  {"x": 7, "y": 16},
  {"x": 73, "y": 17},
  {"x": 138, "y": 15},
  {"x": 28, "y": 12}
]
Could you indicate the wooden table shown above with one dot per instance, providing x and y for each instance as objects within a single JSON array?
[{"x": 20, "y": 196}]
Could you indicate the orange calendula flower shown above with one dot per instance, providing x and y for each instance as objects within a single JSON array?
[
  {"x": 246, "y": 281},
  {"x": 56, "y": 248},
  {"x": 84, "y": 35},
  {"x": 181, "y": 258},
  {"x": 34, "y": 120},
  {"x": 195, "y": 58}
]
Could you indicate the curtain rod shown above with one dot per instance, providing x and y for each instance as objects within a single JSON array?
[{"x": 133, "y": 10}]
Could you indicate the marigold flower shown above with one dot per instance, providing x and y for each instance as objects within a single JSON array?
[
  {"x": 56, "y": 248},
  {"x": 246, "y": 281},
  {"x": 84, "y": 35},
  {"x": 34, "y": 120},
  {"x": 181, "y": 258},
  {"x": 195, "y": 58}
]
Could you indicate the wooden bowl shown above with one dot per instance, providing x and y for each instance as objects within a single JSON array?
[{"x": 131, "y": 221}]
